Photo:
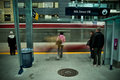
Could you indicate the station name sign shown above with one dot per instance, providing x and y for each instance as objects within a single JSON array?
[{"x": 87, "y": 11}]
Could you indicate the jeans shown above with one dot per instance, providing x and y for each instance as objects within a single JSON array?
[
  {"x": 60, "y": 51},
  {"x": 97, "y": 56}
]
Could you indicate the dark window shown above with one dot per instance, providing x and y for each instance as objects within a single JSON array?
[
  {"x": 42, "y": 16},
  {"x": 6, "y": 4},
  {"x": 22, "y": 18},
  {"x": 7, "y": 17},
  {"x": 55, "y": 16}
]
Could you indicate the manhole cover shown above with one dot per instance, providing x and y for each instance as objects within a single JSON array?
[{"x": 67, "y": 72}]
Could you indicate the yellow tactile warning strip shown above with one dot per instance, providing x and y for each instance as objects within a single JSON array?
[{"x": 53, "y": 53}]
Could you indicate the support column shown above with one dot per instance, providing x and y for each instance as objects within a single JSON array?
[
  {"x": 82, "y": 35},
  {"x": 108, "y": 41},
  {"x": 16, "y": 24},
  {"x": 98, "y": 1},
  {"x": 112, "y": 47},
  {"x": 28, "y": 12},
  {"x": 105, "y": 42}
]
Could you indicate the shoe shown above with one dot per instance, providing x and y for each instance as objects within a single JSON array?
[
  {"x": 48, "y": 58},
  {"x": 95, "y": 65},
  {"x": 58, "y": 58},
  {"x": 61, "y": 56},
  {"x": 98, "y": 65}
]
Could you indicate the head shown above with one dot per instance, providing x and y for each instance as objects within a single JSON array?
[
  {"x": 98, "y": 29},
  {"x": 61, "y": 33},
  {"x": 11, "y": 32},
  {"x": 91, "y": 32}
]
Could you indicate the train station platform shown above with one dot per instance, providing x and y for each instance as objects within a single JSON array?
[{"x": 47, "y": 69}]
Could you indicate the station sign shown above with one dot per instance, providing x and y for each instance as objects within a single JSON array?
[{"x": 87, "y": 11}]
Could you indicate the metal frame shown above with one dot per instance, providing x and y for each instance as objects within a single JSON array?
[{"x": 113, "y": 36}]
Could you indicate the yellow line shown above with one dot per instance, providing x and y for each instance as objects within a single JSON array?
[
  {"x": 53, "y": 53},
  {"x": 4, "y": 53},
  {"x": 63, "y": 52}
]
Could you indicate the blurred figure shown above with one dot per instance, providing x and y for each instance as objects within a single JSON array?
[
  {"x": 97, "y": 45},
  {"x": 60, "y": 43},
  {"x": 12, "y": 43},
  {"x": 89, "y": 43}
]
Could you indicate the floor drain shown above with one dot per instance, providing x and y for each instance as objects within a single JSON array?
[{"x": 67, "y": 72}]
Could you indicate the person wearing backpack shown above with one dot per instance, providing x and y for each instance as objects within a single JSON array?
[
  {"x": 89, "y": 43},
  {"x": 60, "y": 43}
]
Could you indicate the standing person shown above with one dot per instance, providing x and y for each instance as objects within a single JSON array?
[
  {"x": 60, "y": 43},
  {"x": 89, "y": 43},
  {"x": 12, "y": 43},
  {"x": 97, "y": 45}
]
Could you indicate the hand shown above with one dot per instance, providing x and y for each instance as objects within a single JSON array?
[{"x": 92, "y": 48}]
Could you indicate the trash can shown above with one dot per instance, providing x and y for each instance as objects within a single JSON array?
[{"x": 27, "y": 57}]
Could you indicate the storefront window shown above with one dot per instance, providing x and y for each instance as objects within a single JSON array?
[
  {"x": 42, "y": 16},
  {"x": 7, "y": 17},
  {"x": 22, "y": 18},
  {"x": 6, "y": 4}
]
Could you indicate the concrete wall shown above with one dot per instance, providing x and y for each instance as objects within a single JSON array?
[
  {"x": 6, "y": 11},
  {"x": 50, "y": 11}
]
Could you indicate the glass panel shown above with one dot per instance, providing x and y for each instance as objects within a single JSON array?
[
  {"x": 56, "y": 4},
  {"x": 48, "y": 4},
  {"x": 48, "y": 16},
  {"x": 40, "y": 5},
  {"x": 21, "y": 5},
  {"x": 35, "y": 5}
]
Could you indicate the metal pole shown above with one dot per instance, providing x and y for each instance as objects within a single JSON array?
[
  {"x": 76, "y": 1},
  {"x": 105, "y": 39},
  {"x": 16, "y": 23},
  {"x": 28, "y": 10},
  {"x": 112, "y": 47},
  {"x": 99, "y": 2},
  {"x": 82, "y": 35},
  {"x": 82, "y": 16}
]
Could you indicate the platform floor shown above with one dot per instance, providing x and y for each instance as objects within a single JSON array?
[{"x": 43, "y": 69}]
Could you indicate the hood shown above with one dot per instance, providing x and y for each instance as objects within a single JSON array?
[{"x": 11, "y": 36}]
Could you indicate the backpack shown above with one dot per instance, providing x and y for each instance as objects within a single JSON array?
[{"x": 59, "y": 42}]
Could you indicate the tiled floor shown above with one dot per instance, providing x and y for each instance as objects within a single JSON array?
[{"x": 44, "y": 69}]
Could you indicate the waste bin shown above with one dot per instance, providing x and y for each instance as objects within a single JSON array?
[{"x": 27, "y": 58}]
